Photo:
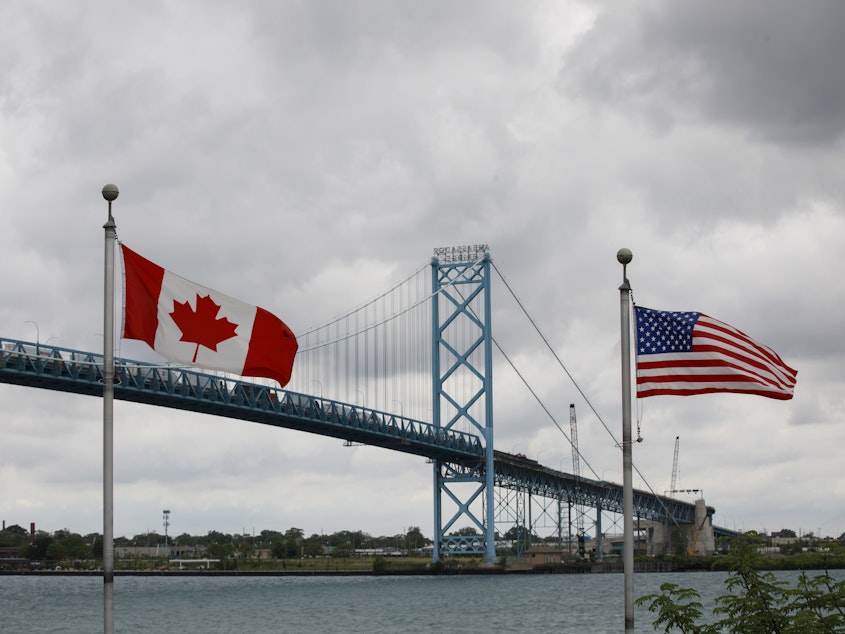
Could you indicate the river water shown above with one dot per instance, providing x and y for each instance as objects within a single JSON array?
[{"x": 580, "y": 604}]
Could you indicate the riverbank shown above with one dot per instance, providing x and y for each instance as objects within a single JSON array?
[
  {"x": 397, "y": 570},
  {"x": 405, "y": 566}
]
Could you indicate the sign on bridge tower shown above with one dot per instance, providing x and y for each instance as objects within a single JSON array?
[{"x": 462, "y": 374}]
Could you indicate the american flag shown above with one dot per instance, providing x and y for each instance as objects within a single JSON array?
[{"x": 686, "y": 353}]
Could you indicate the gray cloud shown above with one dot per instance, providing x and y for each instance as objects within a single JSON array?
[
  {"x": 767, "y": 69},
  {"x": 306, "y": 156}
]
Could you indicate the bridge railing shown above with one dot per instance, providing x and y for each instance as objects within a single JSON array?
[{"x": 71, "y": 370}]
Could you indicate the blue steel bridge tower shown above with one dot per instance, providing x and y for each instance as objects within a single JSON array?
[{"x": 462, "y": 398}]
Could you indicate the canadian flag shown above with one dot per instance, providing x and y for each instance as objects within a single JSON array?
[{"x": 194, "y": 325}]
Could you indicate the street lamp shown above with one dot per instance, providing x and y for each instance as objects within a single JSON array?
[
  {"x": 166, "y": 517},
  {"x": 37, "y": 335}
]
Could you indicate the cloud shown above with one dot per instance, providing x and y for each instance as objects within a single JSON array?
[
  {"x": 766, "y": 69},
  {"x": 307, "y": 156}
]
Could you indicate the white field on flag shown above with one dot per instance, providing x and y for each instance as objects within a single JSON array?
[
  {"x": 230, "y": 354},
  {"x": 686, "y": 353}
]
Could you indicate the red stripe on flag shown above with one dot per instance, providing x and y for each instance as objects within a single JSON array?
[
  {"x": 272, "y": 348},
  {"x": 688, "y": 391},
  {"x": 143, "y": 285}
]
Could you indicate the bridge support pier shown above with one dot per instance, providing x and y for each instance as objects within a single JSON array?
[{"x": 599, "y": 535}]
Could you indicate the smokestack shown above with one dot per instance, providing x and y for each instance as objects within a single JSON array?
[{"x": 32, "y": 532}]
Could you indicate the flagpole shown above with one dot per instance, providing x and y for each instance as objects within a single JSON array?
[
  {"x": 110, "y": 193},
  {"x": 624, "y": 256}
]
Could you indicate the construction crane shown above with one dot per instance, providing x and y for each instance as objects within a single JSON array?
[
  {"x": 573, "y": 434},
  {"x": 674, "y": 489},
  {"x": 675, "y": 469},
  {"x": 576, "y": 471}
]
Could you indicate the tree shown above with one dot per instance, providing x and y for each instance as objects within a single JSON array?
[
  {"x": 38, "y": 548},
  {"x": 358, "y": 539},
  {"x": 270, "y": 536},
  {"x": 151, "y": 538},
  {"x": 8, "y": 539},
  {"x": 756, "y": 602},
  {"x": 246, "y": 549},
  {"x": 95, "y": 542},
  {"x": 219, "y": 550},
  {"x": 15, "y": 529},
  {"x": 414, "y": 538},
  {"x": 215, "y": 537},
  {"x": 70, "y": 546},
  {"x": 97, "y": 547},
  {"x": 345, "y": 550},
  {"x": 294, "y": 534},
  {"x": 313, "y": 546},
  {"x": 293, "y": 542},
  {"x": 518, "y": 533}
]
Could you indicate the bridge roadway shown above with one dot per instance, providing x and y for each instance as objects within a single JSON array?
[{"x": 55, "y": 368}]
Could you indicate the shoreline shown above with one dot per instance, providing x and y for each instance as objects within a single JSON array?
[{"x": 609, "y": 568}]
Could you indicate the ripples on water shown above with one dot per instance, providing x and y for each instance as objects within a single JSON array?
[{"x": 580, "y": 604}]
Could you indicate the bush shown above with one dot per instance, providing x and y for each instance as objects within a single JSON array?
[
  {"x": 756, "y": 602},
  {"x": 379, "y": 566}
]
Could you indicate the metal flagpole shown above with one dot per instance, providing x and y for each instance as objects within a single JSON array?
[
  {"x": 624, "y": 256},
  {"x": 110, "y": 193}
]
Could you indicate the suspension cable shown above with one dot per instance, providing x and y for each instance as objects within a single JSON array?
[{"x": 580, "y": 391}]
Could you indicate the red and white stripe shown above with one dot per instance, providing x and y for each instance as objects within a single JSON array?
[{"x": 723, "y": 359}]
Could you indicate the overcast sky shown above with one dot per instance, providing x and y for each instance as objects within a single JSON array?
[{"x": 306, "y": 155}]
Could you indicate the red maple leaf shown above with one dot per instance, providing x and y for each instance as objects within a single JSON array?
[{"x": 202, "y": 327}]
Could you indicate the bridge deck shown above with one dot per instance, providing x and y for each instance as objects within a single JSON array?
[{"x": 63, "y": 369}]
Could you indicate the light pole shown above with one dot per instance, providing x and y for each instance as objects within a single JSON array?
[
  {"x": 110, "y": 193},
  {"x": 166, "y": 517},
  {"x": 37, "y": 335}
]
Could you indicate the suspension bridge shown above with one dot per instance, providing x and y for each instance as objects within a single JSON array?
[{"x": 425, "y": 345}]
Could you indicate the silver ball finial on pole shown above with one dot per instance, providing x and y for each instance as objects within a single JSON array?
[{"x": 110, "y": 193}]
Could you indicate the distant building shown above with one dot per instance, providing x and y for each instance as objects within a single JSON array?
[
  {"x": 169, "y": 552},
  {"x": 542, "y": 556},
  {"x": 9, "y": 558}
]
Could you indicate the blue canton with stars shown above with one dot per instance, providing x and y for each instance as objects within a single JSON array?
[{"x": 661, "y": 331}]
